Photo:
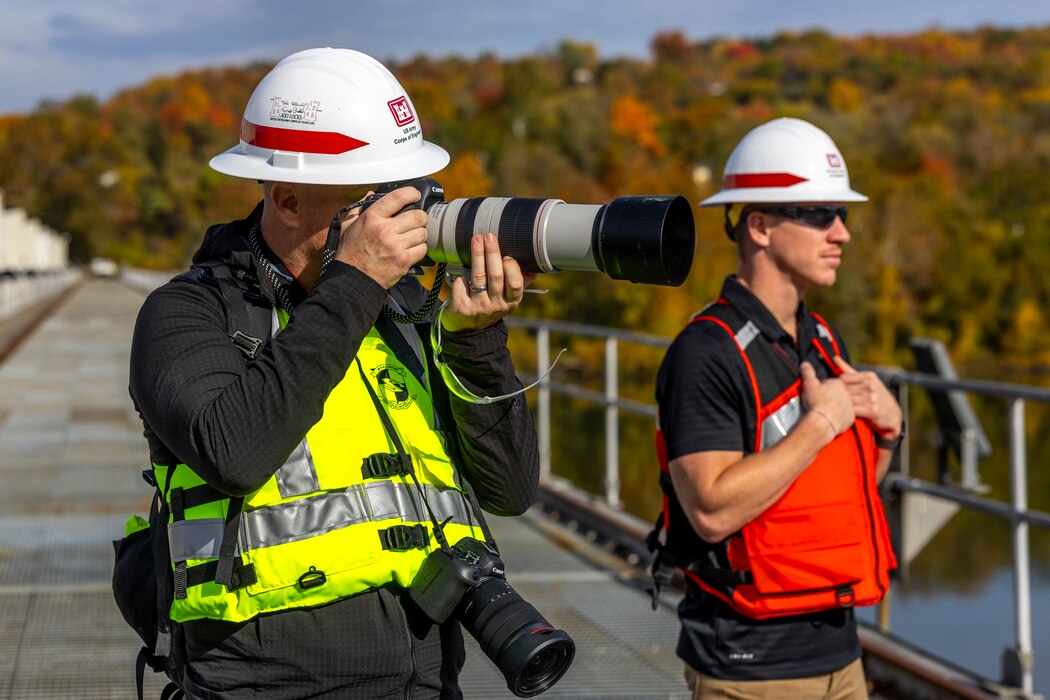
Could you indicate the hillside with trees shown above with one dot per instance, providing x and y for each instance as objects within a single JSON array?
[{"x": 948, "y": 133}]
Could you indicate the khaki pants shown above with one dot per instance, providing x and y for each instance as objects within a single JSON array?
[{"x": 847, "y": 683}]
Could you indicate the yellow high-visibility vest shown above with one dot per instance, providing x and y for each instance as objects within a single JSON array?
[{"x": 324, "y": 526}]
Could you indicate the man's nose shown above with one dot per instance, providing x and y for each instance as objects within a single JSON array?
[{"x": 838, "y": 232}]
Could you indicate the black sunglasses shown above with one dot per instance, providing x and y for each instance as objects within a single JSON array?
[{"x": 819, "y": 217}]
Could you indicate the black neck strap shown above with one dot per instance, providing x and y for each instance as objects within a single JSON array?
[{"x": 406, "y": 461}]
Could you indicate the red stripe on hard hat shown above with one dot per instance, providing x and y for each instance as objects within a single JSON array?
[
  {"x": 322, "y": 142},
  {"x": 733, "y": 182}
]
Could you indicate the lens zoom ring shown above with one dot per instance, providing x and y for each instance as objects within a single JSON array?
[
  {"x": 516, "y": 227},
  {"x": 465, "y": 228}
]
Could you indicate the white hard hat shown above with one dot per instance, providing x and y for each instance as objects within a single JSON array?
[
  {"x": 785, "y": 160},
  {"x": 330, "y": 117}
]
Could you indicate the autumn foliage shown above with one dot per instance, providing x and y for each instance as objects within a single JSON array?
[{"x": 947, "y": 132}]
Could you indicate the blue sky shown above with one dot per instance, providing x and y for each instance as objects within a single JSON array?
[{"x": 53, "y": 49}]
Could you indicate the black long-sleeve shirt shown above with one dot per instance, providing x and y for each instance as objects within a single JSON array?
[{"x": 234, "y": 424}]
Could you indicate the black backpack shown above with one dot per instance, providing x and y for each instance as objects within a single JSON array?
[{"x": 142, "y": 588}]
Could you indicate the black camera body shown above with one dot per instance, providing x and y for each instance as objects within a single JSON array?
[
  {"x": 470, "y": 582},
  {"x": 430, "y": 193},
  {"x": 444, "y": 579}
]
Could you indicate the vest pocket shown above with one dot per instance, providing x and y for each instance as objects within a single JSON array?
[
  {"x": 332, "y": 556},
  {"x": 810, "y": 549}
]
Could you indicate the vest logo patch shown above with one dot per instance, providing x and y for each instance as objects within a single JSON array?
[{"x": 393, "y": 387}]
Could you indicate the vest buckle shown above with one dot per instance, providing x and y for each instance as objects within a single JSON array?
[
  {"x": 845, "y": 596},
  {"x": 400, "y": 538},
  {"x": 246, "y": 343},
  {"x": 383, "y": 466}
]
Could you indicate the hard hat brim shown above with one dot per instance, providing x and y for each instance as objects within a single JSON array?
[
  {"x": 258, "y": 164},
  {"x": 761, "y": 195}
]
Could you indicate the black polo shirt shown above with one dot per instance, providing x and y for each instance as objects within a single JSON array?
[{"x": 707, "y": 404}]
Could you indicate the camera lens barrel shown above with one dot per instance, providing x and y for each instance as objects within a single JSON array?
[
  {"x": 528, "y": 650},
  {"x": 647, "y": 239}
]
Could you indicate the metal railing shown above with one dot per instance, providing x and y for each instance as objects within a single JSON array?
[{"x": 966, "y": 495}]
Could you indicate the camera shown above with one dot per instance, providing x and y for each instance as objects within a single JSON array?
[
  {"x": 469, "y": 582},
  {"x": 648, "y": 238}
]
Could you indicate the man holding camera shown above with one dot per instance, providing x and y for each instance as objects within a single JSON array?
[
  {"x": 772, "y": 444},
  {"x": 308, "y": 454}
]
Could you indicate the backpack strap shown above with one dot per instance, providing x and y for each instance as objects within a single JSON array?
[
  {"x": 249, "y": 316},
  {"x": 237, "y": 322},
  {"x": 163, "y": 655}
]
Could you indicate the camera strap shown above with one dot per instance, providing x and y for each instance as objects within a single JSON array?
[
  {"x": 404, "y": 459},
  {"x": 332, "y": 242},
  {"x": 334, "y": 229}
]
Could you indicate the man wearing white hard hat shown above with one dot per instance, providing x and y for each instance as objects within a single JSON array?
[
  {"x": 772, "y": 444},
  {"x": 310, "y": 445}
]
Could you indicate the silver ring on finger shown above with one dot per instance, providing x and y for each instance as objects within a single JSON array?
[{"x": 478, "y": 288}]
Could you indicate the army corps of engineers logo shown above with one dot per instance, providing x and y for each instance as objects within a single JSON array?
[{"x": 393, "y": 387}]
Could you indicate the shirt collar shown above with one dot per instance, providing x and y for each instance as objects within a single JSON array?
[{"x": 747, "y": 304}]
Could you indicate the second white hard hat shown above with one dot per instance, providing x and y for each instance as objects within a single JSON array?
[
  {"x": 785, "y": 160},
  {"x": 332, "y": 117}
]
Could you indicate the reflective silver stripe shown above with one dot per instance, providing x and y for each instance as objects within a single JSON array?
[
  {"x": 298, "y": 476},
  {"x": 383, "y": 500},
  {"x": 745, "y": 335},
  {"x": 824, "y": 332},
  {"x": 387, "y": 500},
  {"x": 289, "y": 522},
  {"x": 195, "y": 539},
  {"x": 779, "y": 424}
]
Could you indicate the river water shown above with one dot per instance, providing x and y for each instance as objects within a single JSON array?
[{"x": 957, "y": 598}]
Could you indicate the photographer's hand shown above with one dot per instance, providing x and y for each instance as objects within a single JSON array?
[
  {"x": 382, "y": 243},
  {"x": 495, "y": 289}
]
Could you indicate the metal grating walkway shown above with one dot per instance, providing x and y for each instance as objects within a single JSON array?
[{"x": 70, "y": 453}]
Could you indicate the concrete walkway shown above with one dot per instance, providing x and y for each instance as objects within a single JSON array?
[{"x": 71, "y": 451}]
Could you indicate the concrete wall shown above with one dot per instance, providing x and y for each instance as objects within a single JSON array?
[
  {"x": 26, "y": 245},
  {"x": 34, "y": 261}
]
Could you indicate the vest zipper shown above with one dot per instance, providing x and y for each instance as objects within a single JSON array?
[{"x": 868, "y": 506}]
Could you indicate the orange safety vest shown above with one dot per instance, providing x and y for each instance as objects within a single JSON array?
[{"x": 825, "y": 543}]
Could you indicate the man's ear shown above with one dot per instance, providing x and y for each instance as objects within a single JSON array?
[
  {"x": 286, "y": 203},
  {"x": 757, "y": 228}
]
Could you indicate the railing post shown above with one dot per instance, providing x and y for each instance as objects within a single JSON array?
[
  {"x": 1019, "y": 659},
  {"x": 904, "y": 450},
  {"x": 902, "y": 464},
  {"x": 543, "y": 400},
  {"x": 968, "y": 457},
  {"x": 612, "y": 425}
]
